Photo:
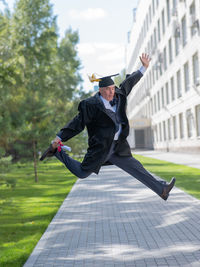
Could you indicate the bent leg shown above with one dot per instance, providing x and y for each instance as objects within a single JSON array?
[
  {"x": 73, "y": 165},
  {"x": 136, "y": 169}
]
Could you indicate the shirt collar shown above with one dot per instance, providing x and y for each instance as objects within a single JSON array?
[{"x": 104, "y": 100}]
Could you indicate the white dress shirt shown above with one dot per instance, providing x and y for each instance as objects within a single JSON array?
[{"x": 107, "y": 105}]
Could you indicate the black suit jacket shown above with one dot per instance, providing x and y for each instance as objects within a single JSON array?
[{"x": 100, "y": 126}]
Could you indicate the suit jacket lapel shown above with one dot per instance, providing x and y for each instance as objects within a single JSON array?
[
  {"x": 99, "y": 103},
  {"x": 101, "y": 106}
]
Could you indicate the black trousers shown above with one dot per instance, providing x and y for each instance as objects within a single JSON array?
[{"x": 128, "y": 164}]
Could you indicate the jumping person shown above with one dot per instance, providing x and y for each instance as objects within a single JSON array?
[{"x": 104, "y": 116}]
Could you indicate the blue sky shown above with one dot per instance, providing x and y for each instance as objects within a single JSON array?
[{"x": 102, "y": 27}]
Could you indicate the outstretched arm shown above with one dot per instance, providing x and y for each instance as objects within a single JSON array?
[
  {"x": 78, "y": 123},
  {"x": 133, "y": 78}
]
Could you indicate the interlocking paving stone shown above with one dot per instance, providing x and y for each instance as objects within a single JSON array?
[{"x": 111, "y": 219}]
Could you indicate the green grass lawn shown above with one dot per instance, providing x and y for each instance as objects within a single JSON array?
[
  {"x": 187, "y": 178},
  {"x": 26, "y": 211}
]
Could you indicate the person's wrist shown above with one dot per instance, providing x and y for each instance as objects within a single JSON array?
[
  {"x": 142, "y": 69},
  {"x": 146, "y": 65}
]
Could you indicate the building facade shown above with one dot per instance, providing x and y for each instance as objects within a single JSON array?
[{"x": 164, "y": 108}]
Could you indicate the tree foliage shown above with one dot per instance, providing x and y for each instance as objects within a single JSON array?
[{"x": 39, "y": 78}]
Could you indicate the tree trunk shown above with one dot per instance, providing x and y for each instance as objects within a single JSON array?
[{"x": 35, "y": 160}]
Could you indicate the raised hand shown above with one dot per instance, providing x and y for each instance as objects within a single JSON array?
[{"x": 145, "y": 59}]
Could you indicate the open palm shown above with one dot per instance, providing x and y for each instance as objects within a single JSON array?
[{"x": 145, "y": 59}]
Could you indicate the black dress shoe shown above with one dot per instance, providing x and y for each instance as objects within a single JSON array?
[
  {"x": 168, "y": 188},
  {"x": 49, "y": 152}
]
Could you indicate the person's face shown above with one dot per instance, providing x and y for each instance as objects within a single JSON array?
[{"x": 108, "y": 92}]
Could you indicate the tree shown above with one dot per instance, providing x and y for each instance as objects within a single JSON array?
[
  {"x": 34, "y": 41},
  {"x": 39, "y": 78},
  {"x": 9, "y": 96},
  {"x": 67, "y": 92},
  {"x": 120, "y": 78}
]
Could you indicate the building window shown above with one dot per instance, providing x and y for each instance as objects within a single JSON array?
[
  {"x": 165, "y": 58},
  {"x": 144, "y": 26},
  {"x": 164, "y": 131},
  {"x": 181, "y": 129},
  {"x": 160, "y": 131},
  {"x": 193, "y": 20},
  {"x": 151, "y": 106},
  {"x": 155, "y": 39},
  {"x": 155, "y": 104},
  {"x": 168, "y": 12},
  {"x": 153, "y": 76},
  {"x": 143, "y": 33},
  {"x": 198, "y": 119},
  {"x": 150, "y": 80},
  {"x": 177, "y": 44},
  {"x": 174, "y": 3},
  {"x": 158, "y": 25},
  {"x": 174, "y": 127},
  {"x": 179, "y": 89},
  {"x": 162, "y": 97},
  {"x": 184, "y": 31},
  {"x": 152, "y": 45},
  {"x": 156, "y": 133},
  {"x": 153, "y": 6},
  {"x": 156, "y": 68},
  {"x": 195, "y": 65},
  {"x": 186, "y": 77},
  {"x": 146, "y": 111},
  {"x": 150, "y": 17},
  {"x": 160, "y": 67},
  {"x": 169, "y": 129},
  {"x": 149, "y": 111},
  {"x": 158, "y": 96},
  {"x": 172, "y": 88},
  {"x": 189, "y": 118},
  {"x": 167, "y": 93},
  {"x": 149, "y": 46},
  {"x": 170, "y": 50},
  {"x": 163, "y": 21}
]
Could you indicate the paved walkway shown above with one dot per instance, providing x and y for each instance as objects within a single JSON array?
[
  {"x": 189, "y": 159},
  {"x": 113, "y": 220}
]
